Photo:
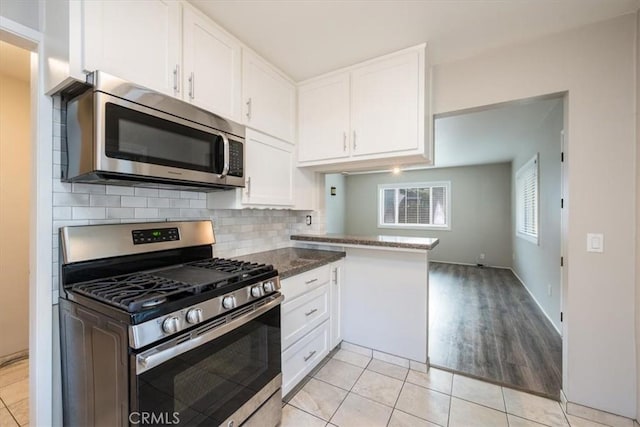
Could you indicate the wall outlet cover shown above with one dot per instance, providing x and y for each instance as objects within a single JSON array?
[{"x": 595, "y": 242}]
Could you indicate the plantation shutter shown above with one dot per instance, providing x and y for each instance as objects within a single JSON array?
[{"x": 527, "y": 198}]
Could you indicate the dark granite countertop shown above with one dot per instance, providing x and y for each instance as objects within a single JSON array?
[
  {"x": 401, "y": 242},
  {"x": 292, "y": 261}
]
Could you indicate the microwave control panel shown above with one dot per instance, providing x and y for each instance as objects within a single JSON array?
[{"x": 236, "y": 158}]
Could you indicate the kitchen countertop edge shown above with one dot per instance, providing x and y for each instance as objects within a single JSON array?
[
  {"x": 419, "y": 243},
  {"x": 306, "y": 259}
]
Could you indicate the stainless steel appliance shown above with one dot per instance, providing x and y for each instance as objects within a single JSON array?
[
  {"x": 154, "y": 331},
  {"x": 121, "y": 133}
]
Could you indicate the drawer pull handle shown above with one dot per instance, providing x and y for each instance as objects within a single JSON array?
[
  {"x": 310, "y": 355},
  {"x": 308, "y": 282},
  {"x": 309, "y": 313}
]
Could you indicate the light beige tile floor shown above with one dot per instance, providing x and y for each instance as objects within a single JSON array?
[
  {"x": 352, "y": 389},
  {"x": 14, "y": 394}
]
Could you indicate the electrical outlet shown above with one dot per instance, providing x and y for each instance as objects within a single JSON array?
[
  {"x": 308, "y": 219},
  {"x": 549, "y": 289}
]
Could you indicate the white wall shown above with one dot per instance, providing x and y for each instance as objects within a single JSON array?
[
  {"x": 538, "y": 265},
  {"x": 480, "y": 211},
  {"x": 595, "y": 64},
  {"x": 335, "y": 205},
  {"x": 15, "y": 182},
  {"x": 25, "y": 12}
]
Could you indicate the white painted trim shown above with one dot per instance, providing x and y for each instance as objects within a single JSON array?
[
  {"x": 537, "y": 302},
  {"x": 41, "y": 226},
  {"x": 20, "y": 35}
]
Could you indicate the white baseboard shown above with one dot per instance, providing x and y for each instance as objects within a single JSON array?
[
  {"x": 536, "y": 301},
  {"x": 466, "y": 263},
  {"x": 599, "y": 416}
]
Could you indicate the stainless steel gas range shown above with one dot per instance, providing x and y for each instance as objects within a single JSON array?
[{"x": 154, "y": 331}]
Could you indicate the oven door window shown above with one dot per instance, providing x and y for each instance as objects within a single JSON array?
[
  {"x": 209, "y": 383},
  {"x": 140, "y": 137}
]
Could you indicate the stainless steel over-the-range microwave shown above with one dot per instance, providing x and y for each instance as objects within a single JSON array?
[{"x": 121, "y": 133}]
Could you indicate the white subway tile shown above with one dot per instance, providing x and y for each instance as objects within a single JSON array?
[
  {"x": 56, "y": 171},
  {"x": 61, "y": 187},
  {"x": 133, "y": 202},
  {"x": 197, "y": 204},
  {"x": 172, "y": 194},
  {"x": 103, "y": 200},
  {"x": 61, "y": 212},
  {"x": 117, "y": 213},
  {"x": 79, "y": 187},
  {"x": 179, "y": 203},
  {"x": 151, "y": 213},
  {"x": 70, "y": 199},
  {"x": 57, "y": 143},
  {"x": 202, "y": 196},
  {"x": 188, "y": 195},
  {"x": 88, "y": 213},
  {"x": 168, "y": 213},
  {"x": 104, "y": 221},
  {"x": 146, "y": 192},
  {"x": 157, "y": 203},
  {"x": 119, "y": 190}
]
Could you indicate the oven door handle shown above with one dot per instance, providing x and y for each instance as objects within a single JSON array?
[{"x": 156, "y": 356}]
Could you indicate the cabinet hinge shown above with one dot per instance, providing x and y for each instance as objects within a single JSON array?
[
  {"x": 561, "y": 261},
  {"x": 561, "y": 316}
]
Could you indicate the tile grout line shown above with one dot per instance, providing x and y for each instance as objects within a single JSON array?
[{"x": 349, "y": 391}]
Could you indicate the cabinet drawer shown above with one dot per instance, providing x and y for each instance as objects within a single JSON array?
[
  {"x": 304, "y": 282},
  {"x": 299, "y": 359},
  {"x": 304, "y": 313}
]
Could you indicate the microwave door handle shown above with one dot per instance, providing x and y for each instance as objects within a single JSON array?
[{"x": 225, "y": 166}]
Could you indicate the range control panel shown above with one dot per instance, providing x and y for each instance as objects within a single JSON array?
[{"x": 141, "y": 237}]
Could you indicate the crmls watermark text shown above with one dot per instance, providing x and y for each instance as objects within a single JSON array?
[{"x": 166, "y": 418}]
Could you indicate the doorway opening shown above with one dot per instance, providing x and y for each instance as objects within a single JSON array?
[
  {"x": 495, "y": 298},
  {"x": 15, "y": 205}
]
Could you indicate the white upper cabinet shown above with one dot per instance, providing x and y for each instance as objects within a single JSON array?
[
  {"x": 387, "y": 105},
  {"x": 269, "y": 169},
  {"x": 211, "y": 66},
  {"x": 135, "y": 40},
  {"x": 368, "y": 115},
  {"x": 323, "y": 118},
  {"x": 269, "y": 98}
]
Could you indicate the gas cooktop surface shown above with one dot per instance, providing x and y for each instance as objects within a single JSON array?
[{"x": 145, "y": 290}]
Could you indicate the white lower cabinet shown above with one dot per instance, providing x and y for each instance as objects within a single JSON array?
[
  {"x": 310, "y": 321},
  {"x": 299, "y": 359}
]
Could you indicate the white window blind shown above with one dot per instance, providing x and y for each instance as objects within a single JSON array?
[
  {"x": 423, "y": 205},
  {"x": 527, "y": 200}
]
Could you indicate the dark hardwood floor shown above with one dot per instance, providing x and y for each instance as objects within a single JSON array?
[{"x": 484, "y": 323}]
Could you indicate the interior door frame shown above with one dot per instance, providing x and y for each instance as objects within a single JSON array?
[{"x": 40, "y": 225}]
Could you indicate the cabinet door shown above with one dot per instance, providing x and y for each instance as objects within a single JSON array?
[
  {"x": 323, "y": 119},
  {"x": 135, "y": 40},
  {"x": 335, "y": 292},
  {"x": 269, "y": 166},
  {"x": 268, "y": 98},
  {"x": 386, "y": 107},
  {"x": 211, "y": 64}
]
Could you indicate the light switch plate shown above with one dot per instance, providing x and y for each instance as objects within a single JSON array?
[{"x": 595, "y": 242}]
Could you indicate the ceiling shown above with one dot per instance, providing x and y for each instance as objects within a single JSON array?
[
  {"x": 15, "y": 62},
  {"x": 490, "y": 135},
  {"x": 306, "y": 38}
]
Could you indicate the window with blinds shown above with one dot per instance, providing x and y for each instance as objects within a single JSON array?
[
  {"x": 419, "y": 205},
  {"x": 527, "y": 200}
]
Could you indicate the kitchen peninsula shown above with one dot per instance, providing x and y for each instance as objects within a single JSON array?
[{"x": 385, "y": 295}]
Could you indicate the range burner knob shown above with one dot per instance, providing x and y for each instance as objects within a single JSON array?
[
  {"x": 256, "y": 291},
  {"x": 268, "y": 287},
  {"x": 171, "y": 325},
  {"x": 228, "y": 302},
  {"x": 194, "y": 316}
]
